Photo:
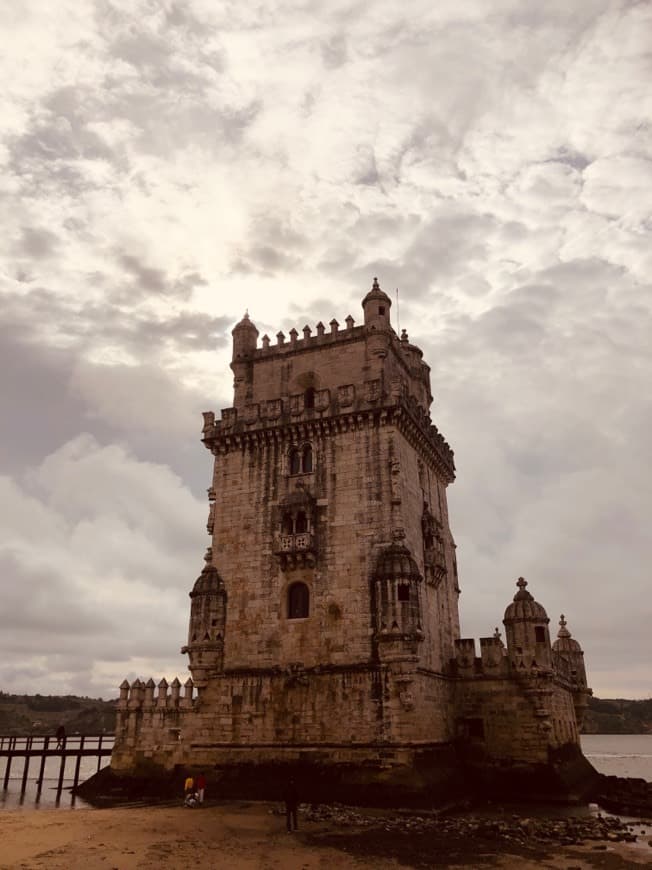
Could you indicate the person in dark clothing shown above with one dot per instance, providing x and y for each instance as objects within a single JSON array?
[
  {"x": 291, "y": 798},
  {"x": 61, "y": 737}
]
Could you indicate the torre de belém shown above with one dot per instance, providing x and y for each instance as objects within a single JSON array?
[{"x": 324, "y": 632}]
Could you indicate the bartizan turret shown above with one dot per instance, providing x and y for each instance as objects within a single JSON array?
[
  {"x": 376, "y": 306},
  {"x": 526, "y": 629},
  {"x": 568, "y": 662},
  {"x": 207, "y": 621},
  {"x": 396, "y": 604},
  {"x": 245, "y": 338}
]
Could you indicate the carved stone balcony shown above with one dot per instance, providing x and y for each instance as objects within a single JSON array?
[{"x": 295, "y": 551}]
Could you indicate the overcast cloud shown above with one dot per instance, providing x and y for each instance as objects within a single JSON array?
[{"x": 166, "y": 165}]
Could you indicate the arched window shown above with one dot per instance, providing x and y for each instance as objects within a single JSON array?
[
  {"x": 295, "y": 461},
  {"x": 298, "y": 601},
  {"x": 287, "y": 524},
  {"x": 309, "y": 398},
  {"x": 301, "y": 523},
  {"x": 306, "y": 463}
]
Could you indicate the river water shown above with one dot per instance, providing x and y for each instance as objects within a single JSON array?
[
  {"x": 612, "y": 754},
  {"x": 620, "y": 754},
  {"x": 12, "y": 799}
]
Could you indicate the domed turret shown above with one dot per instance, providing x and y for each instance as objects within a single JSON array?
[
  {"x": 568, "y": 663},
  {"x": 207, "y": 620},
  {"x": 397, "y": 608},
  {"x": 245, "y": 336},
  {"x": 524, "y": 606},
  {"x": 526, "y": 629},
  {"x": 567, "y": 656},
  {"x": 396, "y": 563},
  {"x": 376, "y": 305}
]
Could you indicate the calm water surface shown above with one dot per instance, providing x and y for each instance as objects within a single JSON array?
[
  {"x": 620, "y": 754},
  {"x": 13, "y": 800}
]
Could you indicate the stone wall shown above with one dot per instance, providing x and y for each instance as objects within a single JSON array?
[
  {"x": 510, "y": 714},
  {"x": 337, "y": 713}
]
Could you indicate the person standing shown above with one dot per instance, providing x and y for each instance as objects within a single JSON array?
[
  {"x": 189, "y": 786},
  {"x": 61, "y": 737},
  {"x": 291, "y": 797},
  {"x": 201, "y": 787}
]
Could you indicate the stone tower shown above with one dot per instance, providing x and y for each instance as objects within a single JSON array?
[
  {"x": 329, "y": 519},
  {"x": 324, "y": 628}
]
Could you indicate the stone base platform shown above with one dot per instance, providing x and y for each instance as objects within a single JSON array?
[{"x": 433, "y": 776}]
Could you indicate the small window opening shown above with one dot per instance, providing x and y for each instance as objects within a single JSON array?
[
  {"x": 298, "y": 601},
  {"x": 213, "y": 622},
  {"x": 301, "y": 523},
  {"x": 403, "y": 592},
  {"x": 295, "y": 461},
  {"x": 381, "y": 309},
  {"x": 539, "y": 634},
  {"x": 288, "y": 525},
  {"x": 309, "y": 398},
  {"x": 429, "y": 542},
  {"x": 307, "y": 459}
]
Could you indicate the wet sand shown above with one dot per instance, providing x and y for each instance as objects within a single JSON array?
[{"x": 252, "y": 836}]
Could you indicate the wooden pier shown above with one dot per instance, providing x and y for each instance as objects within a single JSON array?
[{"x": 41, "y": 748}]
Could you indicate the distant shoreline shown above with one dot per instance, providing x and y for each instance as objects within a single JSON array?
[{"x": 27, "y": 715}]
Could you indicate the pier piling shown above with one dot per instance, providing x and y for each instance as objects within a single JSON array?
[{"x": 77, "y": 746}]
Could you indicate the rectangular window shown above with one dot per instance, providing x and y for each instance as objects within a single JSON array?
[{"x": 539, "y": 634}]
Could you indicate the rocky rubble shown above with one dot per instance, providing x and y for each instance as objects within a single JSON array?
[{"x": 512, "y": 830}]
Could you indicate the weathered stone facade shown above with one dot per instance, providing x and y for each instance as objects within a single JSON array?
[{"x": 324, "y": 625}]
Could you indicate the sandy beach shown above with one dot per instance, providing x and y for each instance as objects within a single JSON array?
[{"x": 252, "y": 836}]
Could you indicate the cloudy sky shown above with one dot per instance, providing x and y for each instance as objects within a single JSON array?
[{"x": 167, "y": 164}]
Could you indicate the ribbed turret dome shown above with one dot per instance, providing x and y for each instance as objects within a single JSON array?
[
  {"x": 565, "y": 642},
  {"x": 209, "y": 582},
  {"x": 396, "y": 562},
  {"x": 524, "y": 606},
  {"x": 376, "y": 295},
  {"x": 246, "y": 324}
]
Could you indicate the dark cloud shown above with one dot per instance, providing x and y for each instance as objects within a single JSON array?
[
  {"x": 39, "y": 410},
  {"x": 38, "y": 243},
  {"x": 114, "y": 535},
  {"x": 50, "y": 394},
  {"x": 275, "y": 247},
  {"x": 146, "y": 278},
  {"x": 91, "y": 324},
  {"x": 334, "y": 51}
]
